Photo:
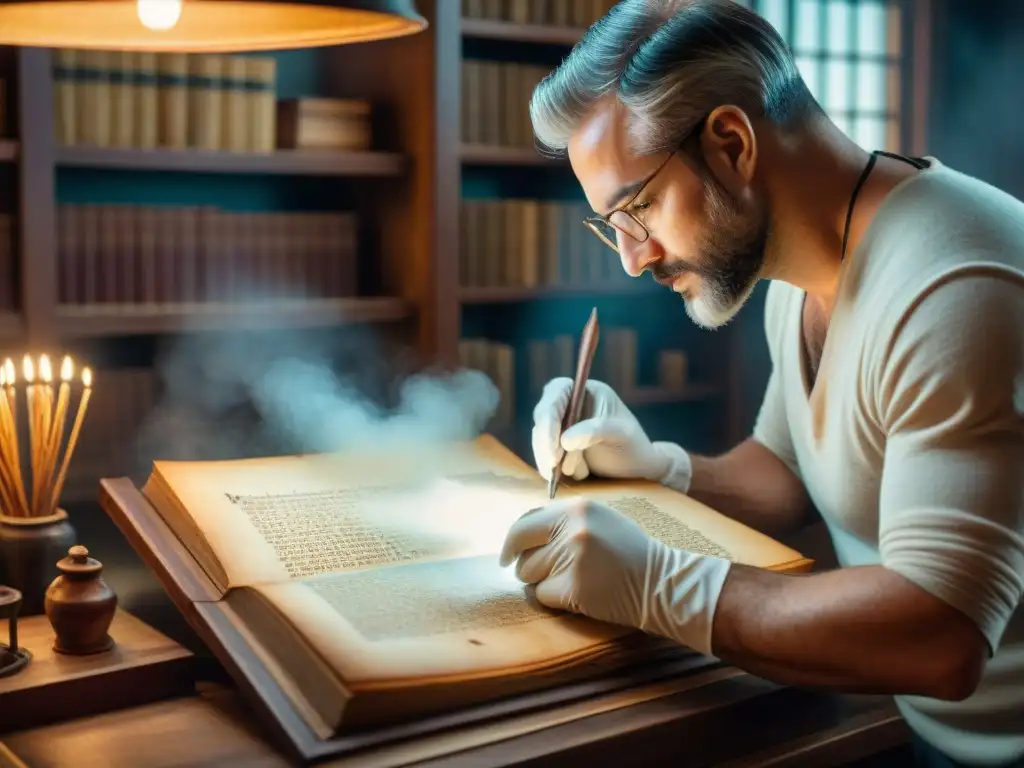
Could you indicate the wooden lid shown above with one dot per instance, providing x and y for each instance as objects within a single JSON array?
[{"x": 78, "y": 562}]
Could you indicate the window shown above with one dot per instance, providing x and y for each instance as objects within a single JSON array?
[{"x": 849, "y": 53}]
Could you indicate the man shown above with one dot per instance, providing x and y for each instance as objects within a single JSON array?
[{"x": 895, "y": 323}]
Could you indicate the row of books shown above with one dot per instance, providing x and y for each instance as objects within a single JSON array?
[
  {"x": 567, "y": 13},
  {"x": 529, "y": 243},
  {"x": 495, "y": 102},
  {"x": 8, "y": 263},
  {"x": 175, "y": 100},
  {"x": 128, "y": 254},
  {"x": 615, "y": 363}
]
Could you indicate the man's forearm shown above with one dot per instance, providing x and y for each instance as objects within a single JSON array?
[
  {"x": 750, "y": 484},
  {"x": 859, "y": 630}
]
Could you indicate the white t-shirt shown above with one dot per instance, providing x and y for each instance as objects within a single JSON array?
[{"x": 911, "y": 444}]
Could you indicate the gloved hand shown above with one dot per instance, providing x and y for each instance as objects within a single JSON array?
[
  {"x": 588, "y": 558},
  {"x": 608, "y": 441}
]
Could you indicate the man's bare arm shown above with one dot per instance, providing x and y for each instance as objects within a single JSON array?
[
  {"x": 752, "y": 485},
  {"x": 859, "y": 630}
]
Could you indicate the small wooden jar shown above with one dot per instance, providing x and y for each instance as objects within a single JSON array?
[{"x": 80, "y": 605}]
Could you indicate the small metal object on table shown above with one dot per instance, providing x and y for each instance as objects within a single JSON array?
[{"x": 13, "y": 659}]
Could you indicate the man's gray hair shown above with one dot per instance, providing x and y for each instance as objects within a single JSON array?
[{"x": 670, "y": 62}]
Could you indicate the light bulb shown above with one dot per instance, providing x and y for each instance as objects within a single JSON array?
[{"x": 159, "y": 15}]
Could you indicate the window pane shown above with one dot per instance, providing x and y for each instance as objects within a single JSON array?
[
  {"x": 893, "y": 89},
  {"x": 871, "y": 35},
  {"x": 838, "y": 22},
  {"x": 870, "y": 133},
  {"x": 809, "y": 72},
  {"x": 837, "y": 86},
  {"x": 871, "y": 90},
  {"x": 808, "y": 26},
  {"x": 776, "y": 12}
]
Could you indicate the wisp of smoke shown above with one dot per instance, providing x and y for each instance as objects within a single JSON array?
[{"x": 257, "y": 392}]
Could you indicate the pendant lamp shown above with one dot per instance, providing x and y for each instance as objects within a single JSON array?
[{"x": 203, "y": 26}]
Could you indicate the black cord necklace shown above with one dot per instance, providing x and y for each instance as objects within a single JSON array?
[{"x": 853, "y": 200}]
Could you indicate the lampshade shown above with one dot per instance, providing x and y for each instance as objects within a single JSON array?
[{"x": 203, "y": 26}]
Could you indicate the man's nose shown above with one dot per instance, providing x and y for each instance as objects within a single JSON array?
[{"x": 637, "y": 256}]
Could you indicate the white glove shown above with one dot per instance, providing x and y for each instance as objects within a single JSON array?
[
  {"x": 608, "y": 441},
  {"x": 590, "y": 559}
]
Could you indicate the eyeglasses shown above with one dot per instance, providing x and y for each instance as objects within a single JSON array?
[{"x": 622, "y": 220}]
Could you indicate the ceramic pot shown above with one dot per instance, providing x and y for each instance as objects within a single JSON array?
[
  {"x": 80, "y": 605},
  {"x": 29, "y": 549}
]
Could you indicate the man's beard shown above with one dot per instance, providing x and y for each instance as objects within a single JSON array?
[{"x": 731, "y": 256}]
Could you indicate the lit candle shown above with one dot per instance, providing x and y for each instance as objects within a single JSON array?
[{"x": 75, "y": 429}]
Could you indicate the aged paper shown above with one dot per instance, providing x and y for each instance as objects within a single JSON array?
[
  {"x": 461, "y": 618},
  {"x": 431, "y": 598},
  {"x": 288, "y": 517},
  {"x": 328, "y": 531},
  {"x": 665, "y": 527},
  {"x": 683, "y": 522}
]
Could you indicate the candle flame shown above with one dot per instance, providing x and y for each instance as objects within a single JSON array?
[
  {"x": 45, "y": 370},
  {"x": 10, "y": 373},
  {"x": 29, "y": 368},
  {"x": 87, "y": 377},
  {"x": 3, "y": 377},
  {"x": 67, "y": 369}
]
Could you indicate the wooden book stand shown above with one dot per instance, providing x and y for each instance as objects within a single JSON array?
[{"x": 199, "y": 602}]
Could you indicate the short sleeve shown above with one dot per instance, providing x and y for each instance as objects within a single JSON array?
[
  {"x": 951, "y": 402},
  {"x": 771, "y": 427}
]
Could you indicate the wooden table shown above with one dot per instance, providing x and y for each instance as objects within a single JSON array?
[{"x": 725, "y": 718}]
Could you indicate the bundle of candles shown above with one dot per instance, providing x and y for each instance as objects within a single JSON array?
[{"x": 30, "y": 485}]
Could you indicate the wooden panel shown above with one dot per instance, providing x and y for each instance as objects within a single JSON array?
[
  {"x": 286, "y": 162},
  {"x": 482, "y": 154},
  {"x": 215, "y": 728},
  {"x": 144, "y": 666},
  {"x": 493, "y": 29},
  {"x": 38, "y": 218},
  {"x": 8, "y": 759},
  {"x": 112, "y": 319}
]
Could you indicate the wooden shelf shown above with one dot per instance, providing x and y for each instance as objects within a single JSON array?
[
  {"x": 12, "y": 326},
  {"x": 482, "y": 154},
  {"x": 492, "y": 29},
  {"x": 8, "y": 150},
  {"x": 127, "y": 319},
  {"x": 661, "y": 396},
  {"x": 144, "y": 666},
  {"x": 282, "y": 162},
  {"x": 511, "y": 294}
]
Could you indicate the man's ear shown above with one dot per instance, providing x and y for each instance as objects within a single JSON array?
[{"x": 729, "y": 146}]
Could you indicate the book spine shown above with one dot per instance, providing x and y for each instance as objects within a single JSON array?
[
  {"x": 122, "y": 99},
  {"x": 205, "y": 101},
  {"x": 235, "y": 110},
  {"x": 172, "y": 78},
  {"x": 64, "y": 90},
  {"x": 147, "y": 101}
]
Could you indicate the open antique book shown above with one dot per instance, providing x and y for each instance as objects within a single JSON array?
[{"x": 370, "y": 585}]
